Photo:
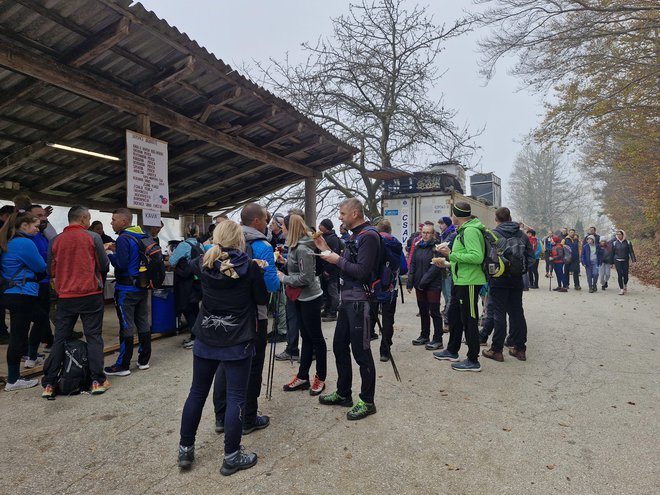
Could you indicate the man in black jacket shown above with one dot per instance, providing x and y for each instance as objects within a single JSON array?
[
  {"x": 506, "y": 292},
  {"x": 358, "y": 266},
  {"x": 330, "y": 273}
]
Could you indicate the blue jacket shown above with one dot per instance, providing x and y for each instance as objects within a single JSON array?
[
  {"x": 41, "y": 241},
  {"x": 126, "y": 259},
  {"x": 586, "y": 255},
  {"x": 184, "y": 250},
  {"x": 22, "y": 261},
  {"x": 262, "y": 250}
]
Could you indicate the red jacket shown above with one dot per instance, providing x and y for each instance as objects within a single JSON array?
[
  {"x": 558, "y": 254},
  {"x": 76, "y": 260}
]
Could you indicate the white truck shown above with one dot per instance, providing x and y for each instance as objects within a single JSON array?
[{"x": 406, "y": 211}]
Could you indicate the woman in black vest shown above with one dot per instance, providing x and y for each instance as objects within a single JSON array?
[
  {"x": 232, "y": 287},
  {"x": 623, "y": 254}
]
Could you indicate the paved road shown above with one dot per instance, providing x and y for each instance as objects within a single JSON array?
[{"x": 579, "y": 417}]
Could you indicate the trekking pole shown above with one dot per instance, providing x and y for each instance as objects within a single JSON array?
[
  {"x": 271, "y": 355},
  {"x": 550, "y": 281},
  {"x": 401, "y": 289},
  {"x": 394, "y": 368}
]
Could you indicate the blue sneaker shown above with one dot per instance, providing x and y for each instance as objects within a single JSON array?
[
  {"x": 445, "y": 356},
  {"x": 466, "y": 365}
]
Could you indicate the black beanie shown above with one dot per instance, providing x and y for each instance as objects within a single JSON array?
[
  {"x": 327, "y": 223},
  {"x": 461, "y": 213}
]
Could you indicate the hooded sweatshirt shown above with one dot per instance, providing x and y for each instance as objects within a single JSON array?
[
  {"x": 301, "y": 266},
  {"x": 508, "y": 230},
  {"x": 467, "y": 254},
  {"x": 231, "y": 291},
  {"x": 259, "y": 248},
  {"x": 622, "y": 249},
  {"x": 126, "y": 259}
]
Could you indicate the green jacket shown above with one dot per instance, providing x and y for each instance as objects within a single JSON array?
[{"x": 467, "y": 254}]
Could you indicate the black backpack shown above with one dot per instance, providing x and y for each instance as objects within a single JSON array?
[
  {"x": 152, "y": 264},
  {"x": 493, "y": 263},
  {"x": 512, "y": 250},
  {"x": 74, "y": 376},
  {"x": 184, "y": 267}
]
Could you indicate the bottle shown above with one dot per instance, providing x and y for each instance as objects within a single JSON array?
[{"x": 143, "y": 277}]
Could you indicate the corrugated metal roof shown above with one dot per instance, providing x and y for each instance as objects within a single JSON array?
[{"x": 155, "y": 61}]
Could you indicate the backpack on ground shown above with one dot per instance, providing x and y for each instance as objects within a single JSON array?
[
  {"x": 568, "y": 254},
  {"x": 152, "y": 265},
  {"x": 512, "y": 250},
  {"x": 74, "y": 376}
]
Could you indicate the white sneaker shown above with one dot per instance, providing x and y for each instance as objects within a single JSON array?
[
  {"x": 621, "y": 292},
  {"x": 143, "y": 366},
  {"x": 20, "y": 384},
  {"x": 29, "y": 363}
]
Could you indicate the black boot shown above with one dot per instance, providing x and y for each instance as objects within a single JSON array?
[
  {"x": 236, "y": 461},
  {"x": 186, "y": 456}
]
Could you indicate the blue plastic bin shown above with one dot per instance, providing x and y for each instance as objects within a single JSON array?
[{"x": 163, "y": 314}]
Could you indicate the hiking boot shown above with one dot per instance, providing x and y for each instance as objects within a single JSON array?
[
  {"x": 420, "y": 341},
  {"x": 434, "y": 345},
  {"x": 466, "y": 365},
  {"x": 219, "y": 425},
  {"x": 143, "y": 366},
  {"x": 556, "y": 289},
  {"x": 621, "y": 292},
  {"x": 48, "y": 393},
  {"x": 259, "y": 423},
  {"x": 595, "y": 288},
  {"x": 603, "y": 287},
  {"x": 519, "y": 355},
  {"x": 318, "y": 386},
  {"x": 285, "y": 356},
  {"x": 361, "y": 410},
  {"x": 374, "y": 336},
  {"x": 21, "y": 384},
  {"x": 329, "y": 318},
  {"x": 100, "y": 388},
  {"x": 445, "y": 356},
  {"x": 491, "y": 354},
  {"x": 334, "y": 399},
  {"x": 483, "y": 343},
  {"x": 236, "y": 461},
  {"x": 116, "y": 371},
  {"x": 186, "y": 456},
  {"x": 578, "y": 288},
  {"x": 31, "y": 363},
  {"x": 591, "y": 290},
  {"x": 384, "y": 358},
  {"x": 296, "y": 384},
  {"x": 563, "y": 289}
]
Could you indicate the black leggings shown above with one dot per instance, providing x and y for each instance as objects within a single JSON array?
[
  {"x": 309, "y": 316},
  {"x": 21, "y": 314},
  {"x": 534, "y": 274},
  {"x": 622, "y": 272},
  {"x": 428, "y": 302}
]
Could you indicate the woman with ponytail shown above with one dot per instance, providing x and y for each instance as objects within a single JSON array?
[{"x": 232, "y": 287}]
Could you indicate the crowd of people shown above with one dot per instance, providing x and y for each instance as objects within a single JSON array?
[{"x": 228, "y": 279}]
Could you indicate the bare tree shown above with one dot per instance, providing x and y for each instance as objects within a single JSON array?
[
  {"x": 542, "y": 192},
  {"x": 369, "y": 83}
]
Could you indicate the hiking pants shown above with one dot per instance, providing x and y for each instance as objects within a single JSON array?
[
  {"x": 428, "y": 302},
  {"x": 622, "y": 272},
  {"x": 508, "y": 301},
  {"x": 575, "y": 270},
  {"x": 562, "y": 277},
  {"x": 387, "y": 309},
  {"x": 592, "y": 275},
  {"x": 278, "y": 308},
  {"x": 464, "y": 319},
  {"x": 236, "y": 373},
  {"x": 42, "y": 315},
  {"x": 604, "y": 272},
  {"x": 220, "y": 390},
  {"x": 352, "y": 332},
  {"x": 132, "y": 311},
  {"x": 21, "y": 314},
  {"x": 292, "y": 328},
  {"x": 534, "y": 275},
  {"x": 90, "y": 310}
]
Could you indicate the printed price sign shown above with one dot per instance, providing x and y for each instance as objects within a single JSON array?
[{"x": 146, "y": 173}]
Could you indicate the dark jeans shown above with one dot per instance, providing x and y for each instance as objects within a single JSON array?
[
  {"x": 464, "y": 319},
  {"x": 292, "y": 328},
  {"x": 236, "y": 374},
  {"x": 330, "y": 287},
  {"x": 133, "y": 314},
  {"x": 592, "y": 275},
  {"x": 313, "y": 342},
  {"x": 21, "y": 314},
  {"x": 220, "y": 399},
  {"x": 575, "y": 270},
  {"x": 534, "y": 274},
  {"x": 388, "y": 309},
  {"x": 90, "y": 309},
  {"x": 508, "y": 301},
  {"x": 622, "y": 272},
  {"x": 352, "y": 332},
  {"x": 41, "y": 323},
  {"x": 428, "y": 302},
  {"x": 488, "y": 321},
  {"x": 562, "y": 277},
  {"x": 190, "y": 313}
]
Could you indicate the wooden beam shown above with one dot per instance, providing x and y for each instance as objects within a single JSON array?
[
  {"x": 21, "y": 90},
  {"x": 169, "y": 77},
  {"x": 99, "y": 43},
  {"x": 50, "y": 183},
  {"x": 234, "y": 175},
  {"x": 212, "y": 103},
  {"x": 66, "y": 200},
  {"x": 285, "y": 133},
  {"x": 310, "y": 201},
  {"x": 101, "y": 90},
  {"x": 200, "y": 170}
]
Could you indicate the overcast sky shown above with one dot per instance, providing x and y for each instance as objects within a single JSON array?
[{"x": 240, "y": 32}]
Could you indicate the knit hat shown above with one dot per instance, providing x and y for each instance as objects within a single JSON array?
[
  {"x": 446, "y": 221},
  {"x": 555, "y": 238},
  {"x": 458, "y": 212},
  {"x": 592, "y": 238},
  {"x": 327, "y": 223}
]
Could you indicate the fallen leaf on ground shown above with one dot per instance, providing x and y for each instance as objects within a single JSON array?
[
  {"x": 551, "y": 466},
  {"x": 452, "y": 467},
  {"x": 564, "y": 425},
  {"x": 506, "y": 429}
]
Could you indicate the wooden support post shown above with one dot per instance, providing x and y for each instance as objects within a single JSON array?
[{"x": 310, "y": 202}]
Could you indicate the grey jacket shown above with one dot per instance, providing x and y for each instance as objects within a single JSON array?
[{"x": 301, "y": 265}]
